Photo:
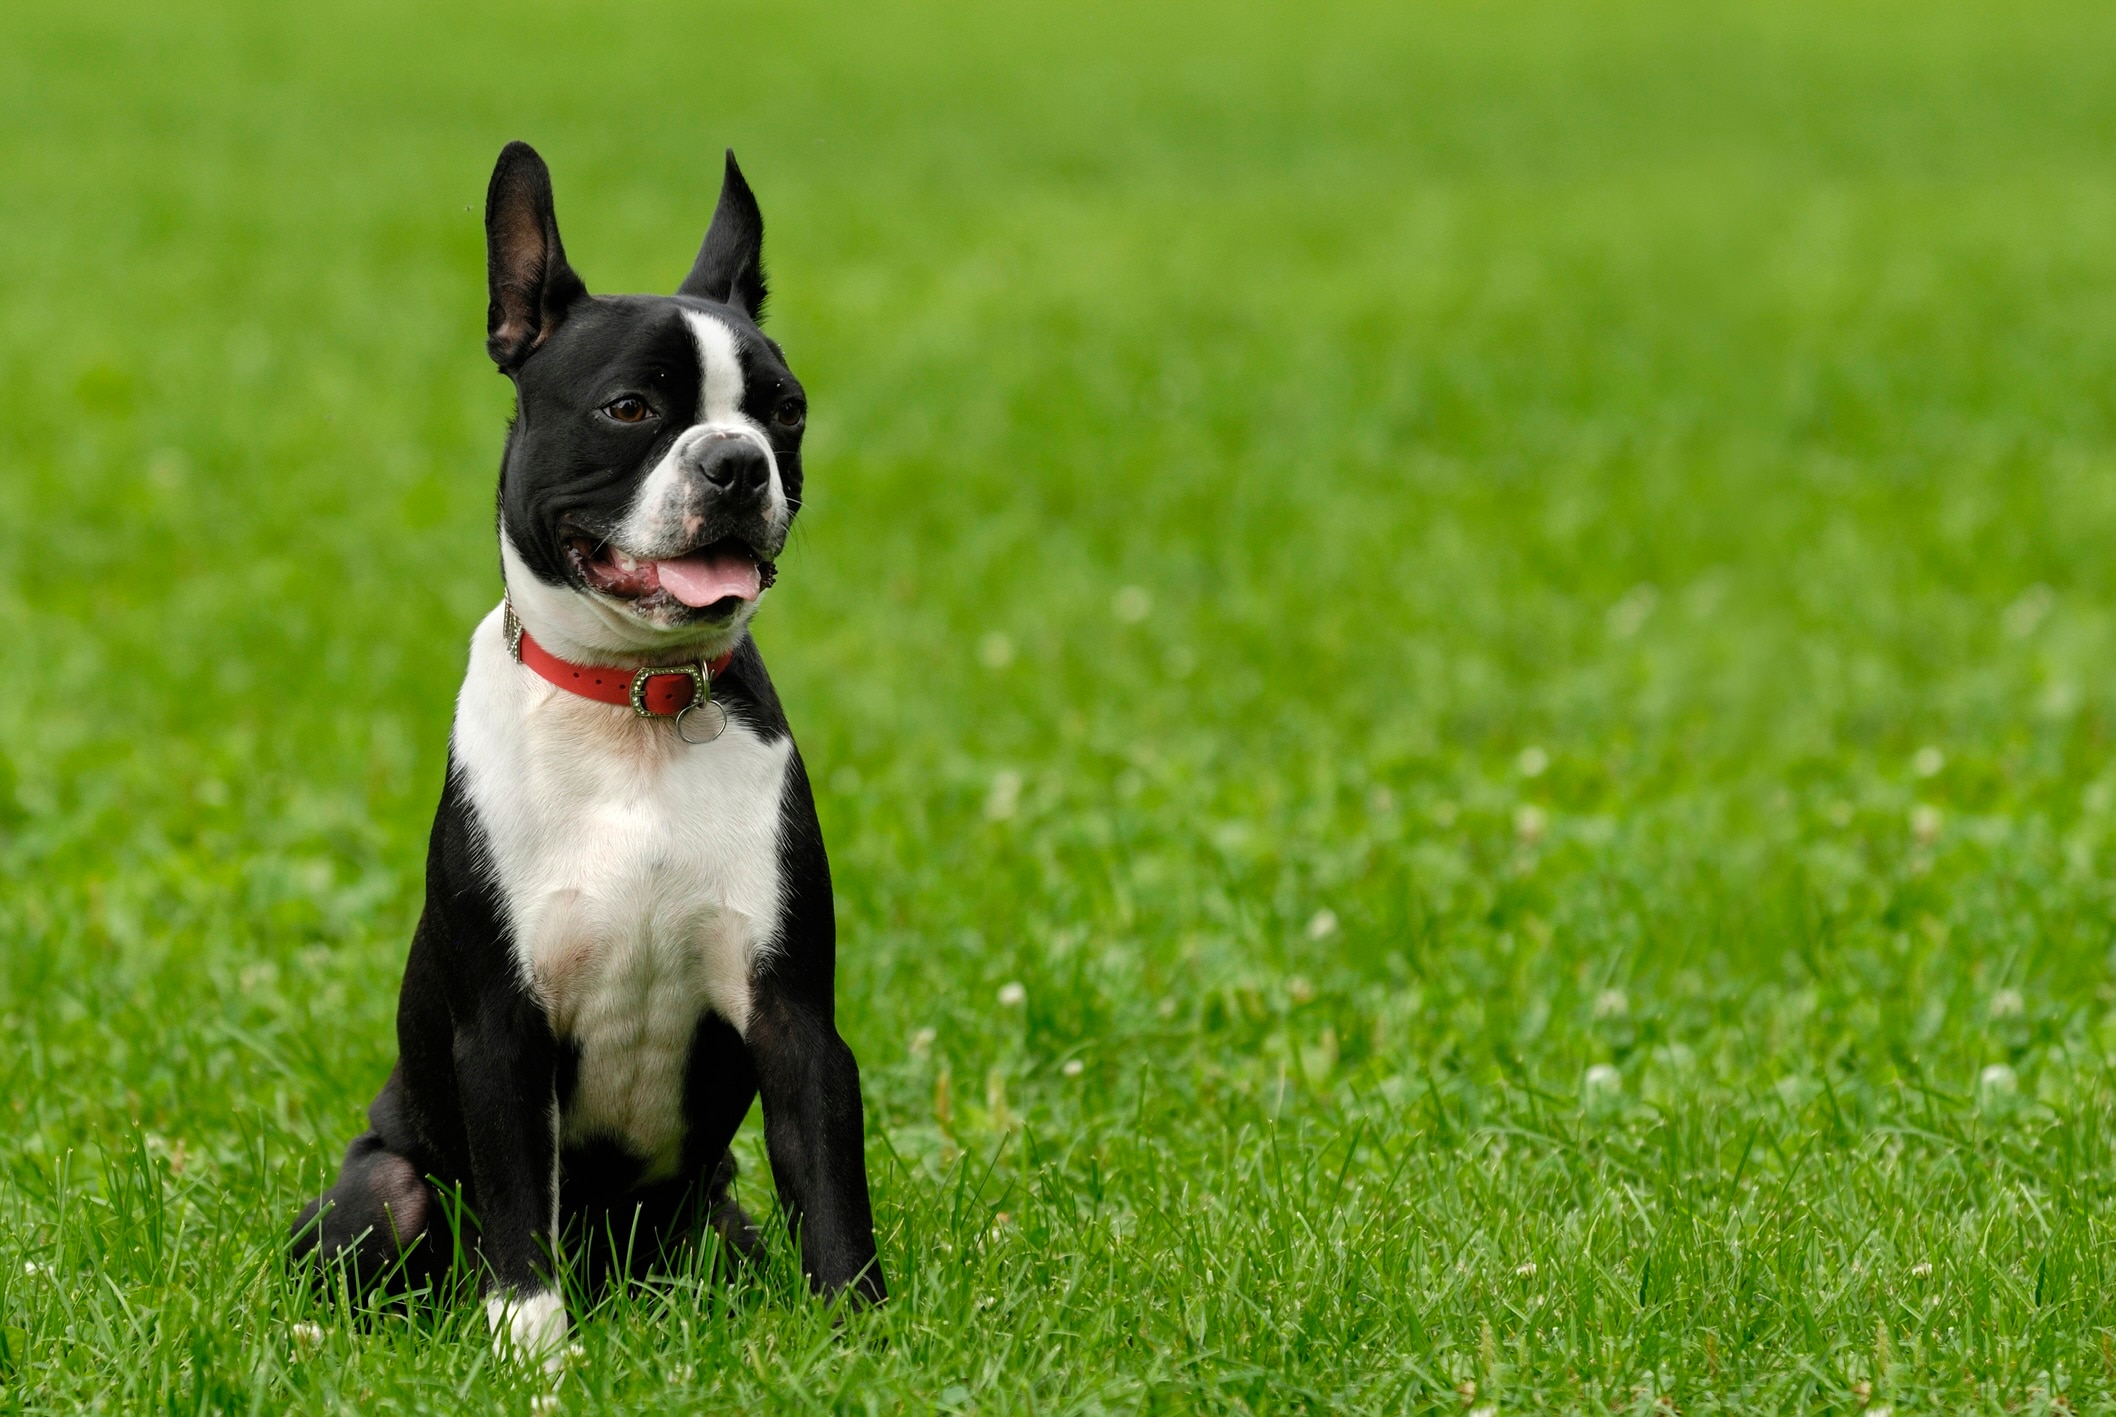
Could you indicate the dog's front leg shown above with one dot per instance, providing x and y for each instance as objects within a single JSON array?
[
  {"x": 506, "y": 1075},
  {"x": 813, "y": 1133}
]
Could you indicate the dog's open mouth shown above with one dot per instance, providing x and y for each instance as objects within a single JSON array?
[{"x": 718, "y": 578}]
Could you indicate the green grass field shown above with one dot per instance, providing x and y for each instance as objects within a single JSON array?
[{"x": 1460, "y": 662}]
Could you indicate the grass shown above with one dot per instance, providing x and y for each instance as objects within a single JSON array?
[{"x": 1500, "y": 613}]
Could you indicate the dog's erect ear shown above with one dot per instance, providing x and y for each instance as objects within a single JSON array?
[
  {"x": 525, "y": 262},
  {"x": 730, "y": 265}
]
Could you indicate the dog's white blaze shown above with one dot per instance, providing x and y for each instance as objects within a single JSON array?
[
  {"x": 720, "y": 359},
  {"x": 666, "y": 504},
  {"x": 639, "y": 876}
]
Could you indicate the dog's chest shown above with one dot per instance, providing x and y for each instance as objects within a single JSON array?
[{"x": 639, "y": 878}]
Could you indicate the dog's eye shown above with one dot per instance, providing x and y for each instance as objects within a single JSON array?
[
  {"x": 789, "y": 413},
  {"x": 629, "y": 409}
]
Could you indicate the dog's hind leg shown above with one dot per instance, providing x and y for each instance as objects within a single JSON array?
[{"x": 381, "y": 1221}]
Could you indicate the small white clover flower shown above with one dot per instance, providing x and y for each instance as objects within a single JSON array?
[
  {"x": 1530, "y": 822},
  {"x": 1005, "y": 797},
  {"x": 1996, "y": 1085}
]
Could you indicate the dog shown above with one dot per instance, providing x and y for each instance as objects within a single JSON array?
[{"x": 628, "y": 933}]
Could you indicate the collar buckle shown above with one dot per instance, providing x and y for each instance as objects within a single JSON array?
[{"x": 701, "y": 689}]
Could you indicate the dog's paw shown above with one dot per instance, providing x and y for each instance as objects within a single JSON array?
[{"x": 529, "y": 1326}]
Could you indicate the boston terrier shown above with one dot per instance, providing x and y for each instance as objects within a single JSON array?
[{"x": 628, "y": 933}]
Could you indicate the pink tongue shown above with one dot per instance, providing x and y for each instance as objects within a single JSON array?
[{"x": 703, "y": 578}]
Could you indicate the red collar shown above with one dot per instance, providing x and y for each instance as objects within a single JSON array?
[{"x": 656, "y": 691}]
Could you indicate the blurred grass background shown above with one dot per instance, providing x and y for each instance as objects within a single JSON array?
[{"x": 1496, "y": 611}]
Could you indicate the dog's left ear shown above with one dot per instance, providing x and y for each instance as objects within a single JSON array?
[
  {"x": 532, "y": 287},
  {"x": 730, "y": 265}
]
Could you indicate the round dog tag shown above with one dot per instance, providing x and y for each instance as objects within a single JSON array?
[{"x": 710, "y": 724}]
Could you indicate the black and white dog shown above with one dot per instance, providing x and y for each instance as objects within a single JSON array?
[{"x": 628, "y": 932}]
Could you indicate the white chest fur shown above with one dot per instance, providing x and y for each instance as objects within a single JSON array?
[{"x": 639, "y": 877}]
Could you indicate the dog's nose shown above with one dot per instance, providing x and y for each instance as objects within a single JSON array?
[{"x": 734, "y": 467}]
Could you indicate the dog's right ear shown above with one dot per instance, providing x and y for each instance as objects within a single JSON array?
[{"x": 525, "y": 263}]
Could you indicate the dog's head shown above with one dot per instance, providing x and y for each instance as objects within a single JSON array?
[{"x": 654, "y": 463}]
